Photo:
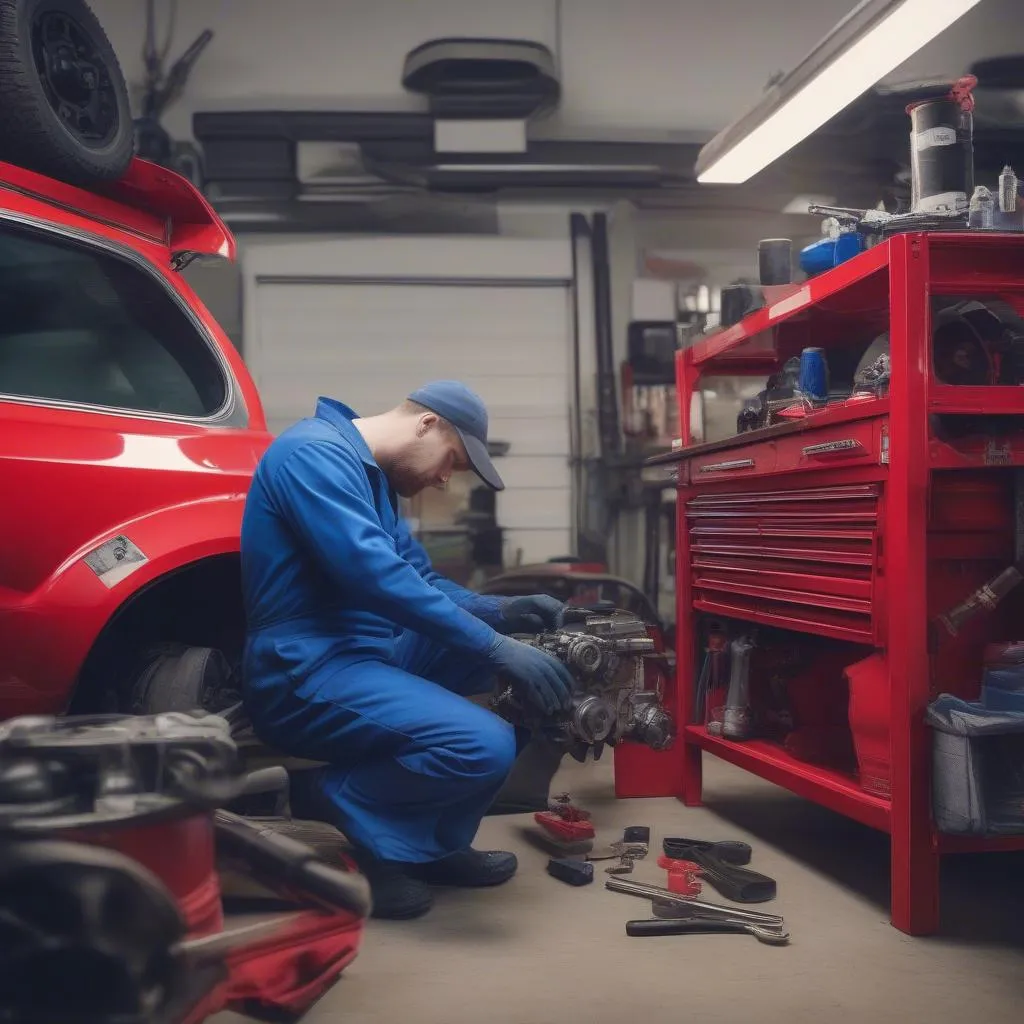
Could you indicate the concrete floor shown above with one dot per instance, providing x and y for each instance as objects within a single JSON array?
[{"x": 539, "y": 951}]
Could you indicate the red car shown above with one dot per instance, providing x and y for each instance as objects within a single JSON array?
[{"x": 129, "y": 426}]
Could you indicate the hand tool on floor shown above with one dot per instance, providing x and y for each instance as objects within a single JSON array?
[
  {"x": 683, "y": 876},
  {"x": 572, "y": 872},
  {"x": 676, "y": 912},
  {"x": 735, "y": 883},
  {"x": 566, "y": 830},
  {"x": 700, "y": 926},
  {"x": 633, "y": 846},
  {"x": 697, "y": 907}
]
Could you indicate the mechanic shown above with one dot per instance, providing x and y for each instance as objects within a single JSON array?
[{"x": 360, "y": 655}]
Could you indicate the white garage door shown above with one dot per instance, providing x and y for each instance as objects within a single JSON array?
[{"x": 370, "y": 344}]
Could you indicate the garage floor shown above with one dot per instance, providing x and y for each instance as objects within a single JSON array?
[{"x": 541, "y": 952}]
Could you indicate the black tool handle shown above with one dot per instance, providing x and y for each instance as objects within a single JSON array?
[
  {"x": 729, "y": 851},
  {"x": 284, "y": 864},
  {"x": 686, "y": 926}
]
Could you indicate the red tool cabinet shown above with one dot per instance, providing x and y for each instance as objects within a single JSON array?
[{"x": 852, "y": 529}]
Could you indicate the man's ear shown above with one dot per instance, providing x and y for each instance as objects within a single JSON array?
[{"x": 427, "y": 422}]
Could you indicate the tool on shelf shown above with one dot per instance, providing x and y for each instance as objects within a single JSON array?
[
  {"x": 985, "y": 599},
  {"x": 736, "y": 720},
  {"x": 712, "y": 682}
]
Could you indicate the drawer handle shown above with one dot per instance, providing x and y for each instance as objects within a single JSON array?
[
  {"x": 722, "y": 467},
  {"x": 848, "y": 446}
]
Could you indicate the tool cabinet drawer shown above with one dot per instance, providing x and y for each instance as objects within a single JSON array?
[
  {"x": 748, "y": 460},
  {"x": 801, "y": 559},
  {"x": 861, "y": 443}
]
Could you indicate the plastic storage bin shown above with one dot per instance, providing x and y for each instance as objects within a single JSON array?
[{"x": 978, "y": 766}]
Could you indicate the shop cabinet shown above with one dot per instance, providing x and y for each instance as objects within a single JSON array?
[{"x": 847, "y": 532}]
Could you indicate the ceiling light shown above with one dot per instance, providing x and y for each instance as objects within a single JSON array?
[{"x": 876, "y": 37}]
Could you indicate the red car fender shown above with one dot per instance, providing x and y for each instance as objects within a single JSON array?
[{"x": 61, "y": 620}]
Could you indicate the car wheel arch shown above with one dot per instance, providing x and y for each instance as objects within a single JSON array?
[{"x": 197, "y": 603}]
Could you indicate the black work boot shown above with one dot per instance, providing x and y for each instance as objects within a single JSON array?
[
  {"x": 470, "y": 869},
  {"x": 397, "y": 896}
]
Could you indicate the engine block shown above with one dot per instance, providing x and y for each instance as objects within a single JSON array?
[{"x": 606, "y": 655}]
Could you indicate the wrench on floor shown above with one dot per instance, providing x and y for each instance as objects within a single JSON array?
[
  {"x": 705, "y": 926},
  {"x": 693, "y": 908}
]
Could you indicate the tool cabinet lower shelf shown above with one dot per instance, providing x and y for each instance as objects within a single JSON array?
[{"x": 770, "y": 761}]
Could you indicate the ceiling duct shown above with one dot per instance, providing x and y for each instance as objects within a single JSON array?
[{"x": 483, "y": 79}]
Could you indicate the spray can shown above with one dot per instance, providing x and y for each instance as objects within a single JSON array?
[
  {"x": 942, "y": 151},
  {"x": 981, "y": 213},
  {"x": 1008, "y": 190}
]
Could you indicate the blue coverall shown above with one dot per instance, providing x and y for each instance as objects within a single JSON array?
[{"x": 360, "y": 655}]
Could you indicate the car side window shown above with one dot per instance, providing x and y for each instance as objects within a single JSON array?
[{"x": 78, "y": 324}]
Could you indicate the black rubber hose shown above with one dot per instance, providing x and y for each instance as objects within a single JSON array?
[{"x": 729, "y": 851}]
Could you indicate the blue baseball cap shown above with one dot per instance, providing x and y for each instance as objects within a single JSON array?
[{"x": 465, "y": 411}]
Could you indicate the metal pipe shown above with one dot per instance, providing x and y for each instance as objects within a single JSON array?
[
  {"x": 696, "y": 907},
  {"x": 578, "y": 228},
  {"x": 607, "y": 396}
]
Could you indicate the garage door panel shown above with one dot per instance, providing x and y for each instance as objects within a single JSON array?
[
  {"x": 530, "y": 508},
  {"x": 535, "y": 435},
  {"x": 526, "y": 546},
  {"x": 507, "y": 398},
  {"x": 311, "y": 348},
  {"x": 506, "y": 324},
  {"x": 541, "y": 472},
  {"x": 369, "y": 345}
]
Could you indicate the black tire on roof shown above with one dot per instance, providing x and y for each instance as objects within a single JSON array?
[{"x": 64, "y": 107}]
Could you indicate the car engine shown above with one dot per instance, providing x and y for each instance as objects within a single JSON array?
[{"x": 606, "y": 655}]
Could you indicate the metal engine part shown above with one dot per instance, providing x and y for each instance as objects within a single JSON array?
[{"x": 606, "y": 656}]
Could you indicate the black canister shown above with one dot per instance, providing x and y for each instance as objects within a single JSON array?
[
  {"x": 942, "y": 151},
  {"x": 775, "y": 260}
]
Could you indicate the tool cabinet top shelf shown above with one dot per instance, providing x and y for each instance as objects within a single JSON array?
[{"x": 859, "y": 289}]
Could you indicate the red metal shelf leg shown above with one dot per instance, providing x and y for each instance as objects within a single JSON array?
[
  {"x": 914, "y": 863},
  {"x": 693, "y": 775}
]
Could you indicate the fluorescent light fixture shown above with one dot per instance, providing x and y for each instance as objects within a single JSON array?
[{"x": 876, "y": 37}]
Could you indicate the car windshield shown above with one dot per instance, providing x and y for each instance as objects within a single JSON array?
[{"x": 80, "y": 325}]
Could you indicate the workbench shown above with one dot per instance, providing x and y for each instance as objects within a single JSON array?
[{"x": 859, "y": 524}]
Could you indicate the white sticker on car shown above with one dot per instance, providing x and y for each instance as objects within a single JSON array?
[{"x": 114, "y": 560}]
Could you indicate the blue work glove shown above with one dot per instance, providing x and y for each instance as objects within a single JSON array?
[
  {"x": 531, "y": 614},
  {"x": 541, "y": 678}
]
